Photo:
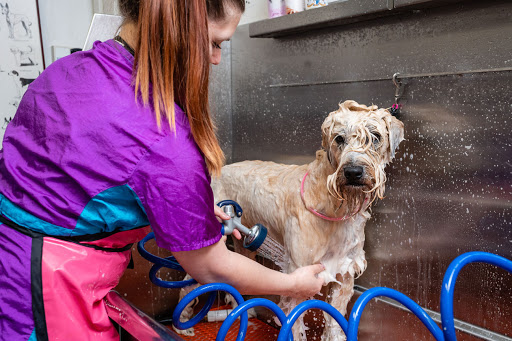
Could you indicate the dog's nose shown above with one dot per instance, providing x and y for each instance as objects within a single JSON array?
[{"x": 353, "y": 174}]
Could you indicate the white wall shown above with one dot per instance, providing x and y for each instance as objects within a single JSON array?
[
  {"x": 20, "y": 55},
  {"x": 255, "y": 10},
  {"x": 64, "y": 23}
]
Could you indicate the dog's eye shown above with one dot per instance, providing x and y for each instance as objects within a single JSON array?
[
  {"x": 339, "y": 140},
  {"x": 376, "y": 138}
]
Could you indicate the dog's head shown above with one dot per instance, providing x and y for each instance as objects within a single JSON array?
[{"x": 359, "y": 141}]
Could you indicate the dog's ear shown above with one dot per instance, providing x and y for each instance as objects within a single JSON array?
[
  {"x": 326, "y": 130},
  {"x": 395, "y": 133}
]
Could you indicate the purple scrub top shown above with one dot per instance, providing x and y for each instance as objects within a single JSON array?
[{"x": 82, "y": 157}]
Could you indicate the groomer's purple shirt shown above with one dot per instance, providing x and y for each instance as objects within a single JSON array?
[{"x": 79, "y": 147}]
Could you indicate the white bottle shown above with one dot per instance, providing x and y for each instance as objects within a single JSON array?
[
  {"x": 276, "y": 8},
  {"x": 294, "y": 6}
]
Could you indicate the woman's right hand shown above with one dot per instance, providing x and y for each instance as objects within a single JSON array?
[{"x": 307, "y": 281}]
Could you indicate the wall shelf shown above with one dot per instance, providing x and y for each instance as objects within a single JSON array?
[{"x": 336, "y": 14}]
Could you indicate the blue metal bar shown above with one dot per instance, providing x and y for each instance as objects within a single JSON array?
[
  {"x": 306, "y": 305},
  {"x": 159, "y": 262},
  {"x": 214, "y": 287},
  {"x": 255, "y": 302},
  {"x": 367, "y": 296},
  {"x": 169, "y": 262},
  {"x": 168, "y": 284},
  {"x": 450, "y": 277},
  {"x": 196, "y": 319}
]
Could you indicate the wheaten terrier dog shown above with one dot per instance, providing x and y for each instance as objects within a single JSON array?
[{"x": 318, "y": 211}]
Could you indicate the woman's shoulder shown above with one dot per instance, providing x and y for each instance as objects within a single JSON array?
[{"x": 99, "y": 69}]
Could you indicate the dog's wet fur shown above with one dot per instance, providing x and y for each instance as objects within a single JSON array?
[{"x": 345, "y": 178}]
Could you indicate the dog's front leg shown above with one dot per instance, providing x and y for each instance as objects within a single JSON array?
[
  {"x": 299, "y": 328},
  {"x": 339, "y": 297}
]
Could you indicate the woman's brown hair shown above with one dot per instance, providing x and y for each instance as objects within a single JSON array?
[{"x": 172, "y": 63}]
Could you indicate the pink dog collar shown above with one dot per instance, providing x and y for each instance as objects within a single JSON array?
[{"x": 320, "y": 215}]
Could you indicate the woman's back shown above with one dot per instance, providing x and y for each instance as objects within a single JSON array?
[{"x": 79, "y": 156}]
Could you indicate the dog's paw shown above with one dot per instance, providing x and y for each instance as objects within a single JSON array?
[
  {"x": 185, "y": 332},
  {"x": 333, "y": 332}
]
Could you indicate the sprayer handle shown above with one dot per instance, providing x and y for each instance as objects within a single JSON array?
[
  {"x": 238, "y": 209},
  {"x": 228, "y": 226}
]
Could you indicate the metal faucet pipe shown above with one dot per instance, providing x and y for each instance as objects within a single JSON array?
[{"x": 401, "y": 76}]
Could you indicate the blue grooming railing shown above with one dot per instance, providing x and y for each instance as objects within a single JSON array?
[
  {"x": 304, "y": 306},
  {"x": 212, "y": 289},
  {"x": 357, "y": 311},
  {"x": 450, "y": 277},
  {"x": 350, "y": 327},
  {"x": 242, "y": 308},
  {"x": 159, "y": 262}
]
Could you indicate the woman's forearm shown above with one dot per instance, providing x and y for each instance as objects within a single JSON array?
[{"x": 218, "y": 264}]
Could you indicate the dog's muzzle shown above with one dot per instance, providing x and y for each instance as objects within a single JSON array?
[{"x": 354, "y": 175}]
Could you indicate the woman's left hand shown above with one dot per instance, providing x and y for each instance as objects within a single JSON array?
[{"x": 221, "y": 215}]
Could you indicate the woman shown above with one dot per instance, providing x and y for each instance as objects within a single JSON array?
[{"x": 104, "y": 143}]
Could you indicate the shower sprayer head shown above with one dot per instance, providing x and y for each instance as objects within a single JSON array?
[{"x": 255, "y": 238}]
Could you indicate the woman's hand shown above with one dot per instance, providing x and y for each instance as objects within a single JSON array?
[
  {"x": 221, "y": 215},
  {"x": 307, "y": 281}
]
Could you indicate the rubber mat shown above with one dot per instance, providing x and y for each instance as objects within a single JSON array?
[{"x": 256, "y": 331}]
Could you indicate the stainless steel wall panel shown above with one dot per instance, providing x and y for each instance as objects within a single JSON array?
[
  {"x": 220, "y": 99},
  {"x": 449, "y": 193},
  {"x": 449, "y": 188},
  {"x": 419, "y": 42}
]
